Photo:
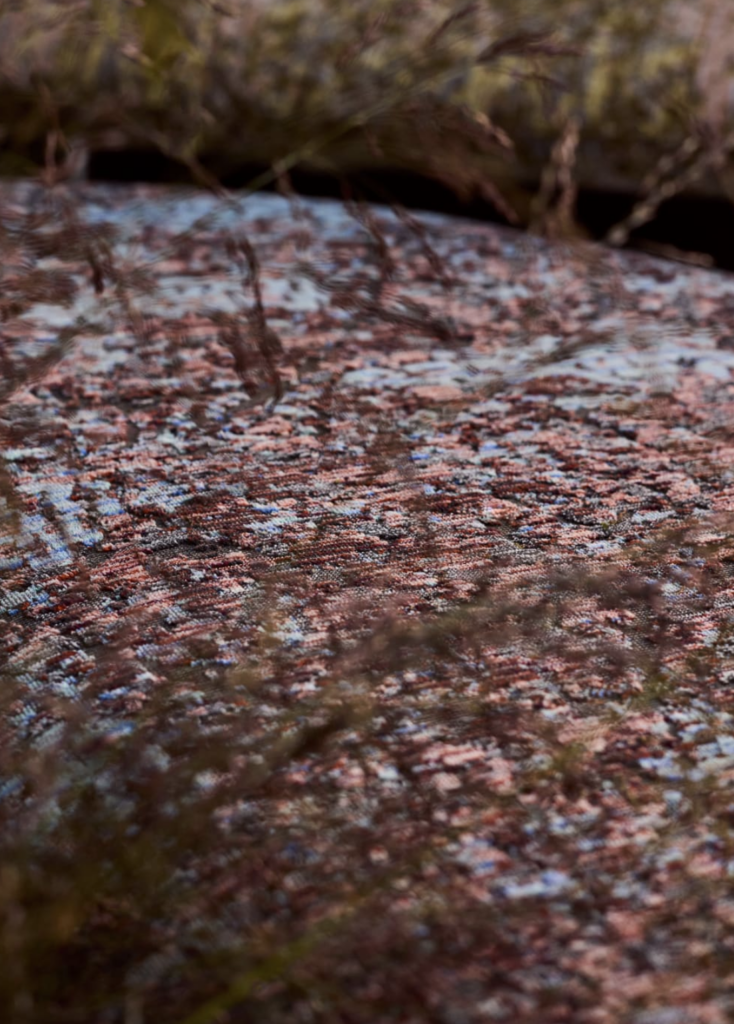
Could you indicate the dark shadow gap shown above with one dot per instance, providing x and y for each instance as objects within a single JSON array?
[{"x": 683, "y": 225}]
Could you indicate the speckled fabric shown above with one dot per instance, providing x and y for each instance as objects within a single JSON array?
[{"x": 388, "y": 421}]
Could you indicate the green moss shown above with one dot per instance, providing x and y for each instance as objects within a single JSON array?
[{"x": 258, "y": 80}]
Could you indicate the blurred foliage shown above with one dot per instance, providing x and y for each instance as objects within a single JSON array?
[{"x": 472, "y": 94}]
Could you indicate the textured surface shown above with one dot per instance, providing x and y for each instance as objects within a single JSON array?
[{"x": 444, "y": 413}]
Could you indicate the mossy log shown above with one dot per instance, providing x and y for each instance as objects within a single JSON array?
[{"x": 479, "y": 97}]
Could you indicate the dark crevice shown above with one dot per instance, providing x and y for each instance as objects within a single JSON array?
[{"x": 683, "y": 225}]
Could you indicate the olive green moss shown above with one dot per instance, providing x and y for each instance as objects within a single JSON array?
[{"x": 434, "y": 88}]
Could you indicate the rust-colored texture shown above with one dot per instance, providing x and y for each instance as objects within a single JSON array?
[{"x": 354, "y": 419}]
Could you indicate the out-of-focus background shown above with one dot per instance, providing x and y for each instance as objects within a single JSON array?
[{"x": 605, "y": 118}]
